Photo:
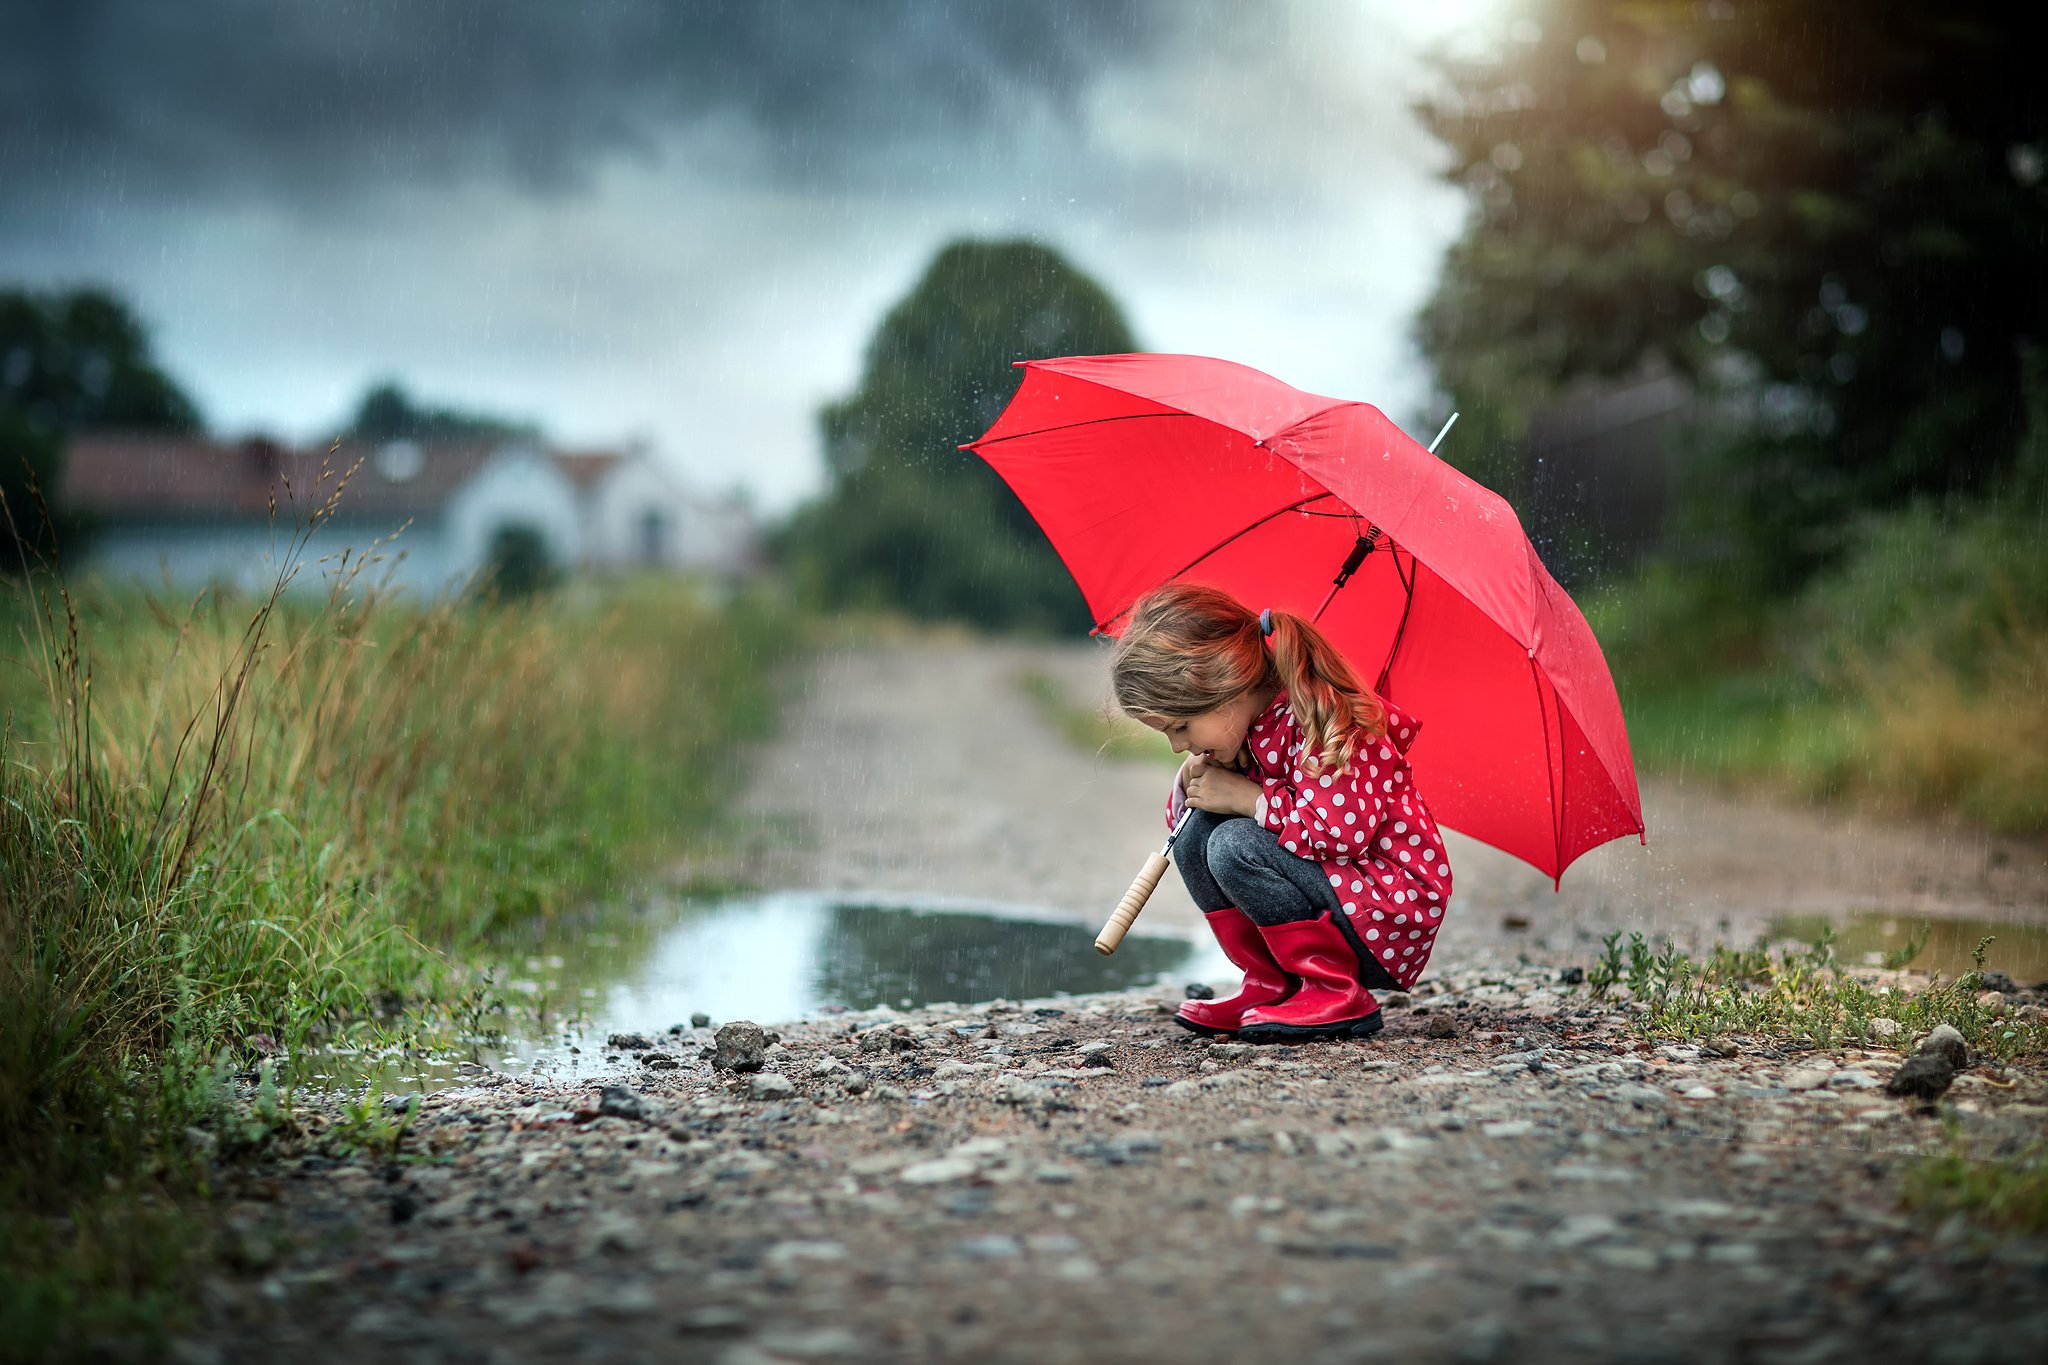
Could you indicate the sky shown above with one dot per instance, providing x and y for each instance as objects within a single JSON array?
[{"x": 679, "y": 223}]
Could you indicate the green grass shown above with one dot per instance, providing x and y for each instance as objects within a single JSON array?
[
  {"x": 1802, "y": 994},
  {"x": 243, "y": 823}
]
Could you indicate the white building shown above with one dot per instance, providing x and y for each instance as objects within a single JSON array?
[{"x": 435, "y": 514}]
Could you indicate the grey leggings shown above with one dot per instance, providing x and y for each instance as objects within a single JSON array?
[{"x": 1231, "y": 860}]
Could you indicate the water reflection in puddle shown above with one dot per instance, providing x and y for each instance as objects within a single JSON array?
[
  {"x": 776, "y": 958},
  {"x": 2020, "y": 950}
]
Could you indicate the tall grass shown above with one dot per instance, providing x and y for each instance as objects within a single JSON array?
[
  {"x": 234, "y": 823},
  {"x": 1913, "y": 676}
]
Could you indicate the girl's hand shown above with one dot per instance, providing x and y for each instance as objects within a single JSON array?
[{"x": 1218, "y": 790}]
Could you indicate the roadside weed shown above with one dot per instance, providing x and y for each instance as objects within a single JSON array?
[{"x": 1802, "y": 993}]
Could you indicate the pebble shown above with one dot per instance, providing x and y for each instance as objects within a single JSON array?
[
  {"x": 1806, "y": 1078},
  {"x": 994, "y": 1247},
  {"x": 1508, "y": 1128},
  {"x": 1883, "y": 1030},
  {"x": 1440, "y": 1026},
  {"x": 624, "y": 1102},
  {"x": 1925, "y": 1076},
  {"x": 629, "y": 1042},
  {"x": 1700, "y": 1092},
  {"x": 1947, "y": 1044},
  {"x": 700, "y": 1020},
  {"x": 1195, "y": 990},
  {"x": 739, "y": 1046},
  {"x": 769, "y": 1085}
]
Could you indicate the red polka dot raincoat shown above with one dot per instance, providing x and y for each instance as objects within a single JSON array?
[{"x": 1366, "y": 826}]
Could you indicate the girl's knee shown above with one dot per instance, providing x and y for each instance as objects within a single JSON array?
[{"x": 1236, "y": 845}]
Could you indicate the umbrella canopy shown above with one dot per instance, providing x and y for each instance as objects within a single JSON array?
[{"x": 1146, "y": 468}]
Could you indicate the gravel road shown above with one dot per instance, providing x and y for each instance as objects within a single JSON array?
[{"x": 1507, "y": 1174}]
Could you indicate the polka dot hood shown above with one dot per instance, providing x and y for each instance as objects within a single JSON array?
[{"x": 1366, "y": 826}]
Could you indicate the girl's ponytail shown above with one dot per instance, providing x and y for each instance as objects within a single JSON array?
[{"x": 1336, "y": 711}]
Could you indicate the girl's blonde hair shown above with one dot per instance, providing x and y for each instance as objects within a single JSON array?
[{"x": 1190, "y": 648}]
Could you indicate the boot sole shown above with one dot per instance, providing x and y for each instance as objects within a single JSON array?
[
  {"x": 1211, "y": 1030},
  {"x": 1311, "y": 1033}
]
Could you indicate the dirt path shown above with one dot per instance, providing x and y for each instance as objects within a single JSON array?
[
  {"x": 1507, "y": 1174},
  {"x": 927, "y": 769}
]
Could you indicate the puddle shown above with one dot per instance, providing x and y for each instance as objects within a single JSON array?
[
  {"x": 2020, "y": 950},
  {"x": 771, "y": 958}
]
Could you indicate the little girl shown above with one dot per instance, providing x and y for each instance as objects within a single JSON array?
[{"x": 1309, "y": 851}]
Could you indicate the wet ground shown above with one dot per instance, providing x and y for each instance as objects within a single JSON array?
[{"x": 1507, "y": 1174}]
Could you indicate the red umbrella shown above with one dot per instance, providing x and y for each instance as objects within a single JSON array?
[{"x": 1146, "y": 468}]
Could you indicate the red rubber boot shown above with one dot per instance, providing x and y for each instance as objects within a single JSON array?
[
  {"x": 1330, "y": 1003},
  {"x": 1264, "y": 982}
]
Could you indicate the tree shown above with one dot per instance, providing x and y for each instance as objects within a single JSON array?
[
  {"x": 70, "y": 361},
  {"x": 1833, "y": 219},
  {"x": 388, "y": 413},
  {"x": 911, "y": 522}
]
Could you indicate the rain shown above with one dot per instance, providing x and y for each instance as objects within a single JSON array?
[{"x": 951, "y": 680}]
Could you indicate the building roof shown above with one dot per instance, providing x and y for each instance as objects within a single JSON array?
[{"x": 119, "y": 476}]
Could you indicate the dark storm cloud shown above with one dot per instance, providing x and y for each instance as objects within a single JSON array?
[{"x": 140, "y": 100}]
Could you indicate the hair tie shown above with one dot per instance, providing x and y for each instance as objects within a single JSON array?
[{"x": 1266, "y": 621}]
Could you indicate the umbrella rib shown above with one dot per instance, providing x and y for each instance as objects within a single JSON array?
[
  {"x": 1407, "y": 582},
  {"x": 1240, "y": 533},
  {"x": 1073, "y": 426}
]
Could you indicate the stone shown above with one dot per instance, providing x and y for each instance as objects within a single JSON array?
[
  {"x": 891, "y": 1038},
  {"x": 624, "y": 1102},
  {"x": 1999, "y": 981},
  {"x": 1700, "y": 1092},
  {"x": 629, "y": 1042},
  {"x": 1948, "y": 1044},
  {"x": 1853, "y": 1078},
  {"x": 768, "y": 1085},
  {"x": 939, "y": 1170},
  {"x": 1883, "y": 1030},
  {"x": 1806, "y": 1078},
  {"x": 660, "y": 1061},
  {"x": 700, "y": 1020},
  {"x": 739, "y": 1046},
  {"x": 615, "y": 1234},
  {"x": 994, "y": 1247},
  {"x": 1395, "y": 1000},
  {"x": 1572, "y": 976},
  {"x": 1197, "y": 991},
  {"x": 1507, "y": 1128},
  {"x": 1440, "y": 1026},
  {"x": 1925, "y": 1076}
]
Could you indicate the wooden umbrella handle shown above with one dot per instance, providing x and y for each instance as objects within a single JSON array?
[{"x": 1127, "y": 909}]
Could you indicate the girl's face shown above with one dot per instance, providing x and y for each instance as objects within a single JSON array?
[{"x": 1219, "y": 733}]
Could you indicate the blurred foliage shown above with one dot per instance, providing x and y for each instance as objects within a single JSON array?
[
  {"x": 82, "y": 359},
  {"x": 912, "y": 523},
  {"x": 69, "y": 361},
  {"x": 1914, "y": 672},
  {"x": 387, "y": 412},
  {"x": 1829, "y": 224}
]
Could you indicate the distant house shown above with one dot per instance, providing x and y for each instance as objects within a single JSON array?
[{"x": 197, "y": 511}]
